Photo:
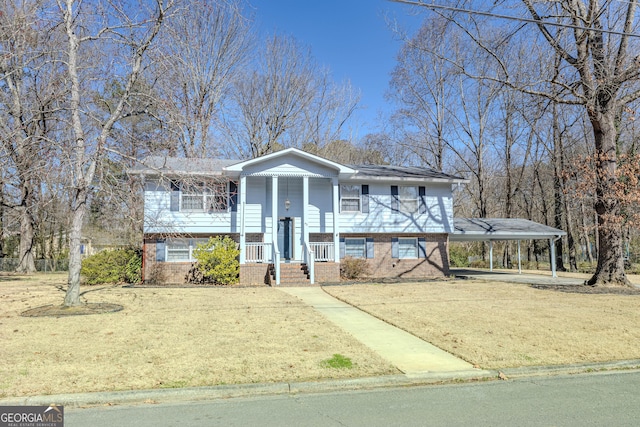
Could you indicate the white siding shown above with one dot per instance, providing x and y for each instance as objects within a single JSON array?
[{"x": 382, "y": 219}]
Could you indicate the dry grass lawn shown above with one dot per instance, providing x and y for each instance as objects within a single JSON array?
[
  {"x": 499, "y": 325},
  {"x": 175, "y": 337}
]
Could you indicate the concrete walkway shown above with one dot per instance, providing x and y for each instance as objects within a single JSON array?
[
  {"x": 514, "y": 277},
  {"x": 407, "y": 352}
]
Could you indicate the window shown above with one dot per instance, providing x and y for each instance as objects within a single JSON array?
[
  {"x": 408, "y": 197},
  {"x": 178, "y": 250},
  {"x": 211, "y": 197},
  {"x": 355, "y": 248},
  {"x": 181, "y": 250},
  {"x": 350, "y": 198},
  {"x": 408, "y": 248}
]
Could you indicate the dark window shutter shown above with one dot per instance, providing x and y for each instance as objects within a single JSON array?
[
  {"x": 175, "y": 197},
  {"x": 395, "y": 249},
  {"x": 422, "y": 247},
  {"x": 365, "y": 199},
  {"x": 233, "y": 196},
  {"x": 160, "y": 252},
  {"x": 395, "y": 202},
  {"x": 422, "y": 201},
  {"x": 370, "y": 248},
  {"x": 342, "y": 248}
]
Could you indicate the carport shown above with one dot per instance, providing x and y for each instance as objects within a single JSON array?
[{"x": 498, "y": 229}]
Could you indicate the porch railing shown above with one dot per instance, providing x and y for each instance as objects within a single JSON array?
[
  {"x": 323, "y": 251},
  {"x": 258, "y": 252},
  {"x": 310, "y": 259}
]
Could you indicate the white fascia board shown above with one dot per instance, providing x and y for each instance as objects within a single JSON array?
[
  {"x": 238, "y": 167},
  {"x": 391, "y": 179}
]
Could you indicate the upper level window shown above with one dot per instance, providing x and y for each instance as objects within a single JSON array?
[
  {"x": 211, "y": 197},
  {"x": 408, "y": 198},
  {"x": 350, "y": 198}
]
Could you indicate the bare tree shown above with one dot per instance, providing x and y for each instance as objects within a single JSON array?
[
  {"x": 125, "y": 31},
  {"x": 421, "y": 85},
  {"x": 287, "y": 100},
  {"x": 598, "y": 43},
  {"x": 203, "y": 49},
  {"x": 29, "y": 95}
]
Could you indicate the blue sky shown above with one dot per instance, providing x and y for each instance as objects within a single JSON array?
[{"x": 350, "y": 37}]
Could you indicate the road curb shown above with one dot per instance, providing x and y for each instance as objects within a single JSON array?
[{"x": 152, "y": 396}]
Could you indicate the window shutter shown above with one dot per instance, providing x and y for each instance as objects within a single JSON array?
[
  {"x": 422, "y": 247},
  {"x": 175, "y": 197},
  {"x": 370, "y": 248},
  {"x": 342, "y": 248},
  {"x": 160, "y": 250},
  {"x": 233, "y": 196},
  {"x": 422, "y": 201},
  {"x": 395, "y": 202},
  {"x": 395, "y": 249},
  {"x": 365, "y": 199}
]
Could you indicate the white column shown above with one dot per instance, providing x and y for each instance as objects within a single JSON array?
[
  {"x": 305, "y": 209},
  {"x": 490, "y": 255},
  {"x": 274, "y": 209},
  {"x": 243, "y": 199},
  {"x": 519, "y": 259},
  {"x": 336, "y": 220}
]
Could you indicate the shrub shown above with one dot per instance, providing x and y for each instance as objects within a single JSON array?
[
  {"x": 218, "y": 260},
  {"x": 353, "y": 268},
  {"x": 112, "y": 266},
  {"x": 458, "y": 256}
]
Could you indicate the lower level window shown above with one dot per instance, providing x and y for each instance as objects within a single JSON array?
[
  {"x": 408, "y": 248},
  {"x": 181, "y": 250},
  {"x": 355, "y": 248}
]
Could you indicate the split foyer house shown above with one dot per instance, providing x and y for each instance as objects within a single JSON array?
[{"x": 296, "y": 216}]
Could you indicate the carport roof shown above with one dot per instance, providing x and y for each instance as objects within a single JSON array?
[{"x": 484, "y": 229}]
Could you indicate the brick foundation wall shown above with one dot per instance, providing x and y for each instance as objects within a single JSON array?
[
  {"x": 384, "y": 265},
  {"x": 253, "y": 274},
  {"x": 326, "y": 272}
]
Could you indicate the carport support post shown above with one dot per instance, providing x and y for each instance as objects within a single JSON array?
[
  {"x": 490, "y": 255},
  {"x": 553, "y": 257},
  {"x": 519, "y": 260}
]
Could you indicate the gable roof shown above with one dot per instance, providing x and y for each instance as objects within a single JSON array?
[
  {"x": 484, "y": 229},
  {"x": 339, "y": 168}
]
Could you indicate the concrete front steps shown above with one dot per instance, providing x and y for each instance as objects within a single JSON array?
[{"x": 291, "y": 274}]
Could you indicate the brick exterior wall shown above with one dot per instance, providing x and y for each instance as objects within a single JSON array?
[{"x": 384, "y": 265}]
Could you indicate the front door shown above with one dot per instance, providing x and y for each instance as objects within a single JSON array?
[{"x": 285, "y": 238}]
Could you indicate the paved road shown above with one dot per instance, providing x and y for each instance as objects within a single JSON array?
[{"x": 606, "y": 399}]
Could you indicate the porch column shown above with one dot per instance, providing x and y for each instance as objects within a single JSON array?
[
  {"x": 519, "y": 259},
  {"x": 305, "y": 209},
  {"x": 336, "y": 220},
  {"x": 274, "y": 209},
  {"x": 240, "y": 213}
]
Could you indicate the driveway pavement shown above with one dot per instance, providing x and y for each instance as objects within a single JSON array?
[{"x": 514, "y": 277}]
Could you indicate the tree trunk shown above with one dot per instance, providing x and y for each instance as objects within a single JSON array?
[
  {"x": 610, "y": 268},
  {"x": 25, "y": 256},
  {"x": 72, "y": 297}
]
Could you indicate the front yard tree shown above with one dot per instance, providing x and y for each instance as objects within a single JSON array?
[
  {"x": 123, "y": 32},
  {"x": 29, "y": 97},
  {"x": 598, "y": 43}
]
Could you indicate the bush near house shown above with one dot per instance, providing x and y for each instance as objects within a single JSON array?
[
  {"x": 353, "y": 268},
  {"x": 112, "y": 266},
  {"x": 218, "y": 260}
]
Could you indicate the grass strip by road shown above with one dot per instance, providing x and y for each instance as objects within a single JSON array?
[
  {"x": 167, "y": 338},
  {"x": 500, "y": 325}
]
